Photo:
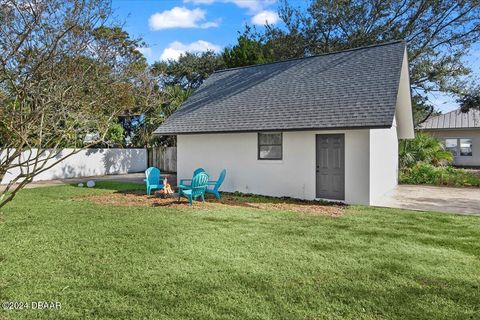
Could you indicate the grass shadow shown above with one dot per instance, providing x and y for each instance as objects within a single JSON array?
[{"x": 113, "y": 186}]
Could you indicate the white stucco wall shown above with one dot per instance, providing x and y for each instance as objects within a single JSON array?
[
  {"x": 90, "y": 162},
  {"x": 473, "y": 160},
  {"x": 294, "y": 176},
  {"x": 383, "y": 162},
  {"x": 403, "y": 110}
]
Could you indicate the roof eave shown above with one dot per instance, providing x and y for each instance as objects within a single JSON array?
[
  {"x": 447, "y": 129},
  {"x": 273, "y": 130}
]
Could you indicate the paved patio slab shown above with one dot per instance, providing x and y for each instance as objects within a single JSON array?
[{"x": 431, "y": 198}]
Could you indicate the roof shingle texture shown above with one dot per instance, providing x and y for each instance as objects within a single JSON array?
[
  {"x": 453, "y": 120},
  {"x": 349, "y": 89}
]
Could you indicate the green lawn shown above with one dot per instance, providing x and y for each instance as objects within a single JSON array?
[{"x": 232, "y": 262}]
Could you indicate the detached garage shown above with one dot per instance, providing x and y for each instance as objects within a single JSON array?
[{"x": 322, "y": 127}]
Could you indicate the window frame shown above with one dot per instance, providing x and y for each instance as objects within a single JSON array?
[
  {"x": 458, "y": 147},
  {"x": 262, "y": 145},
  {"x": 450, "y": 149},
  {"x": 459, "y": 144}
]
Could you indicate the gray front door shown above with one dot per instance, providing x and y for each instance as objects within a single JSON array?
[{"x": 330, "y": 166}]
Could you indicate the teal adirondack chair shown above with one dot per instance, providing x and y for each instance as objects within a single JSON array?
[
  {"x": 152, "y": 180},
  {"x": 213, "y": 186},
  {"x": 185, "y": 183},
  {"x": 196, "y": 189}
]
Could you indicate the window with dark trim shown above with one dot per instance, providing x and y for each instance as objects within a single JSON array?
[
  {"x": 270, "y": 145},
  {"x": 459, "y": 146}
]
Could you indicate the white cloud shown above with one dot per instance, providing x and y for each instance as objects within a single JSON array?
[
  {"x": 176, "y": 48},
  {"x": 199, "y": 1},
  {"x": 180, "y": 17},
  {"x": 257, "y": 9},
  {"x": 265, "y": 17},
  {"x": 210, "y": 24},
  {"x": 147, "y": 52},
  {"x": 253, "y": 6}
]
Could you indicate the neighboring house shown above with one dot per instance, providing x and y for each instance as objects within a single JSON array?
[
  {"x": 322, "y": 127},
  {"x": 460, "y": 133}
]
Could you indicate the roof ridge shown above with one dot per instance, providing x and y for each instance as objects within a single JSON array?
[
  {"x": 457, "y": 110},
  {"x": 314, "y": 56},
  {"x": 453, "y": 119}
]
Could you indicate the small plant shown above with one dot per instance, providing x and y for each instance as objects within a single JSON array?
[
  {"x": 424, "y": 173},
  {"x": 424, "y": 148}
]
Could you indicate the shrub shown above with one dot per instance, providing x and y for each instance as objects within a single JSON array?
[
  {"x": 425, "y": 173},
  {"x": 424, "y": 148}
]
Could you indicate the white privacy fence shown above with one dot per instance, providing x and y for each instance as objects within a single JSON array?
[{"x": 89, "y": 162}]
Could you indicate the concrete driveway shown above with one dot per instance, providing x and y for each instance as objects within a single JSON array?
[{"x": 430, "y": 198}]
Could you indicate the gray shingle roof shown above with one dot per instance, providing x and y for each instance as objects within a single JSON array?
[
  {"x": 349, "y": 89},
  {"x": 453, "y": 120}
]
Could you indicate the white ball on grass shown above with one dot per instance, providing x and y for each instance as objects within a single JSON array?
[
  {"x": 80, "y": 185},
  {"x": 90, "y": 183}
]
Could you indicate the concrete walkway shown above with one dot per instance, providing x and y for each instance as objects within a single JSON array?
[{"x": 430, "y": 198}]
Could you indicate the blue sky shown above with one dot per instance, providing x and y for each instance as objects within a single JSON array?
[{"x": 171, "y": 27}]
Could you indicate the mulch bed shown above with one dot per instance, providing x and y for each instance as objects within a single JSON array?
[{"x": 137, "y": 198}]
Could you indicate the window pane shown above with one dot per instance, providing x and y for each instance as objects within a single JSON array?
[
  {"x": 465, "y": 147},
  {"x": 451, "y": 145},
  {"x": 270, "y": 152},
  {"x": 270, "y": 138}
]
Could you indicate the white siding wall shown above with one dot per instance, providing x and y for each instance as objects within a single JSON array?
[
  {"x": 90, "y": 162},
  {"x": 294, "y": 176},
  {"x": 383, "y": 162},
  {"x": 474, "y": 160}
]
